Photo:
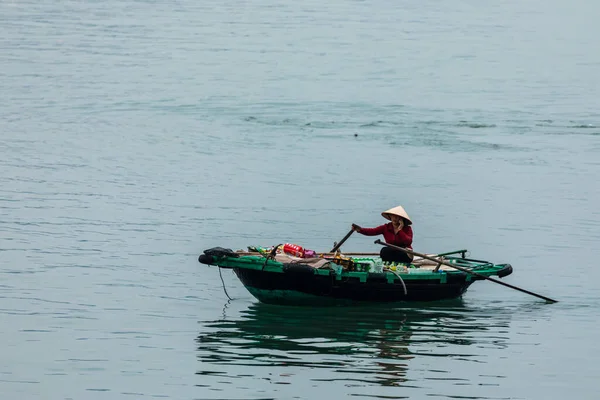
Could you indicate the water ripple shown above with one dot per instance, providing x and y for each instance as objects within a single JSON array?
[{"x": 372, "y": 346}]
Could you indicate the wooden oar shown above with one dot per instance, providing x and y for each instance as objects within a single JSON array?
[
  {"x": 464, "y": 270},
  {"x": 337, "y": 246}
]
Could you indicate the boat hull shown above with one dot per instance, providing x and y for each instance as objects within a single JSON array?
[
  {"x": 322, "y": 281},
  {"x": 302, "y": 287}
]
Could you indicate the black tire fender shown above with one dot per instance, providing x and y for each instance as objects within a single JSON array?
[
  {"x": 298, "y": 269},
  {"x": 205, "y": 259},
  {"x": 507, "y": 270}
]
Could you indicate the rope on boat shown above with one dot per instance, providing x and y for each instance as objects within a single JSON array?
[
  {"x": 222, "y": 281},
  {"x": 270, "y": 255},
  {"x": 401, "y": 280}
]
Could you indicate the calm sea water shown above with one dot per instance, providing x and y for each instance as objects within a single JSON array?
[{"x": 136, "y": 134}]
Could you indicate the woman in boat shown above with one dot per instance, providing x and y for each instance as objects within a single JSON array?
[{"x": 398, "y": 232}]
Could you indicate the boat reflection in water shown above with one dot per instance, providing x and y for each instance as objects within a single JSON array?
[{"x": 363, "y": 346}]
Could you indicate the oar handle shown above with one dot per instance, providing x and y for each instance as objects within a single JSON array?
[
  {"x": 337, "y": 246},
  {"x": 378, "y": 241}
]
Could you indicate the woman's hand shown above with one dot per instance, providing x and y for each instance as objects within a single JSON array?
[
  {"x": 356, "y": 228},
  {"x": 397, "y": 222}
]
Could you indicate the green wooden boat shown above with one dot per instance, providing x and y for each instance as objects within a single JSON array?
[{"x": 329, "y": 279}]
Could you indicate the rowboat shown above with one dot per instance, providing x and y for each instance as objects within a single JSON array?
[{"x": 343, "y": 279}]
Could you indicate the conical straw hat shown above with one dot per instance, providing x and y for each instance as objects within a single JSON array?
[{"x": 396, "y": 211}]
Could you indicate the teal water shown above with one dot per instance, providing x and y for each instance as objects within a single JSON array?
[{"x": 136, "y": 134}]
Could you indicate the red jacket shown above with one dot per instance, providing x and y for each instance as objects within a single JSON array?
[{"x": 403, "y": 238}]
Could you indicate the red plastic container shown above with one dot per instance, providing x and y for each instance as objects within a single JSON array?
[{"x": 293, "y": 250}]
